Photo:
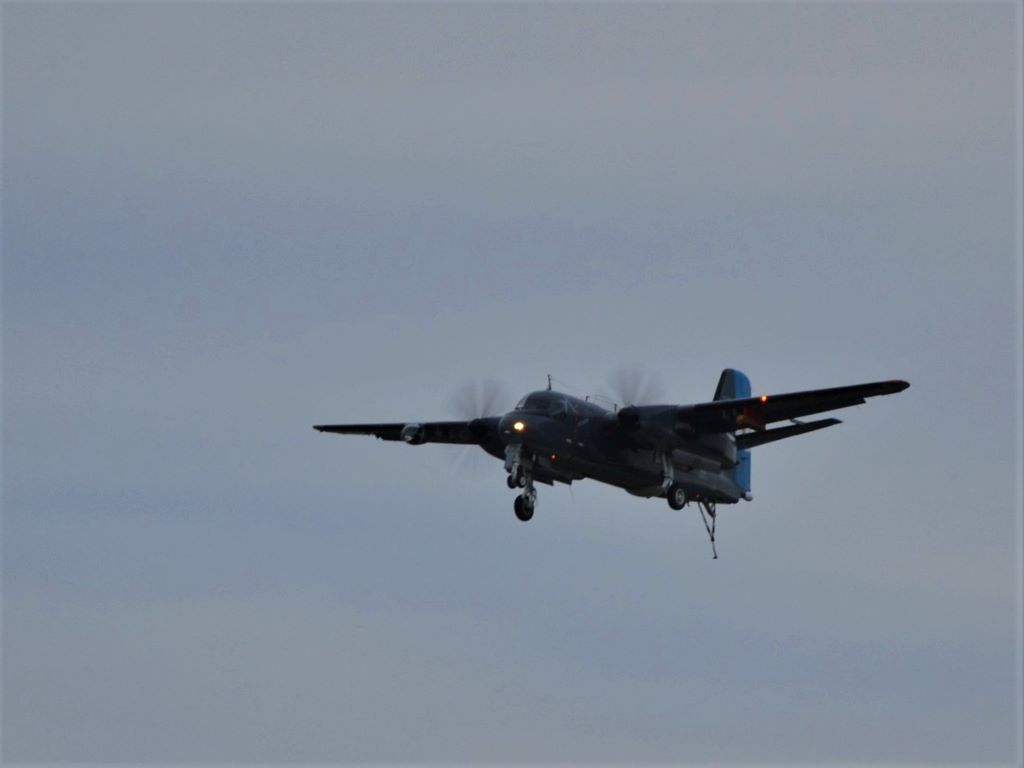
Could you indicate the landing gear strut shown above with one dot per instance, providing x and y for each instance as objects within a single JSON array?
[
  {"x": 516, "y": 478},
  {"x": 519, "y": 466},
  {"x": 674, "y": 492}
]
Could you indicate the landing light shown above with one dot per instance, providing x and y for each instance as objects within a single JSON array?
[
  {"x": 764, "y": 398},
  {"x": 519, "y": 426}
]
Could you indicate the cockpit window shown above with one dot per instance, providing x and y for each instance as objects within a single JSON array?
[
  {"x": 549, "y": 403},
  {"x": 558, "y": 409},
  {"x": 537, "y": 402}
]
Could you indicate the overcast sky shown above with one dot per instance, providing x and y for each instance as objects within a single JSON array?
[{"x": 225, "y": 223}]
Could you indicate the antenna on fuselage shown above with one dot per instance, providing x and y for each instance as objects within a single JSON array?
[{"x": 549, "y": 382}]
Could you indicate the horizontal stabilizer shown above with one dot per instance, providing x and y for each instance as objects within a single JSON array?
[{"x": 753, "y": 439}]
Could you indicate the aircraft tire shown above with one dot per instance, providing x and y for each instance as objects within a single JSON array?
[
  {"x": 676, "y": 496},
  {"x": 511, "y": 482},
  {"x": 524, "y": 511}
]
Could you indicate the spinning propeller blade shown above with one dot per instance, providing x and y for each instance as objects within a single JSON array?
[
  {"x": 634, "y": 386},
  {"x": 479, "y": 398}
]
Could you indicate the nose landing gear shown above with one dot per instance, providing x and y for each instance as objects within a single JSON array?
[
  {"x": 516, "y": 477},
  {"x": 519, "y": 466},
  {"x": 524, "y": 505}
]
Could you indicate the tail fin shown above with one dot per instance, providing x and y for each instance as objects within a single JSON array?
[{"x": 734, "y": 385}]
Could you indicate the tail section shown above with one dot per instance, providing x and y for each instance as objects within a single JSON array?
[{"x": 734, "y": 385}]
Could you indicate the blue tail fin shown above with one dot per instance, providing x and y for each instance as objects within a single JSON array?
[{"x": 734, "y": 385}]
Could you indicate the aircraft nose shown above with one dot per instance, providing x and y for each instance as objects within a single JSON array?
[{"x": 512, "y": 426}]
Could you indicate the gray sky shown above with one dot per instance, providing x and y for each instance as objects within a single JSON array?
[{"x": 225, "y": 223}]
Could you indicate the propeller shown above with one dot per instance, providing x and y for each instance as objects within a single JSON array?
[
  {"x": 634, "y": 386},
  {"x": 477, "y": 399},
  {"x": 480, "y": 398}
]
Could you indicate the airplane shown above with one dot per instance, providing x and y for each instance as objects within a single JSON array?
[{"x": 683, "y": 453}]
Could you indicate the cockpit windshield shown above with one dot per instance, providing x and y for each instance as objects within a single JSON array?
[
  {"x": 536, "y": 401},
  {"x": 548, "y": 403}
]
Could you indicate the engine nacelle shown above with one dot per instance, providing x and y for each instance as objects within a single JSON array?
[{"x": 413, "y": 434}]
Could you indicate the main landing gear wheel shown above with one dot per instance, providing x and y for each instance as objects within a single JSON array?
[
  {"x": 524, "y": 508},
  {"x": 676, "y": 496}
]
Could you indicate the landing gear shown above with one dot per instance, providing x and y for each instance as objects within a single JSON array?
[
  {"x": 524, "y": 506},
  {"x": 519, "y": 466},
  {"x": 674, "y": 492},
  {"x": 676, "y": 496},
  {"x": 516, "y": 477}
]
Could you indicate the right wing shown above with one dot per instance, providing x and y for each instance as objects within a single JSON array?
[
  {"x": 456, "y": 432},
  {"x": 664, "y": 426},
  {"x": 757, "y": 412}
]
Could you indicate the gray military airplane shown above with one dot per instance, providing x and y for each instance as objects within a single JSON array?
[{"x": 683, "y": 453}]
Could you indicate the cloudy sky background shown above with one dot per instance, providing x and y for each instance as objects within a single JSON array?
[{"x": 225, "y": 223}]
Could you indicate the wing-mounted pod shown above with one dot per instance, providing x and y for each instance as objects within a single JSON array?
[{"x": 413, "y": 434}]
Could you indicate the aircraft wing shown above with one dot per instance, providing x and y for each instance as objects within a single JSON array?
[
  {"x": 458, "y": 432},
  {"x": 757, "y": 412},
  {"x": 664, "y": 425}
]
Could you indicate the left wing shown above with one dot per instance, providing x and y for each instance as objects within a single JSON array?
[{"x": 459, "y": 432}]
